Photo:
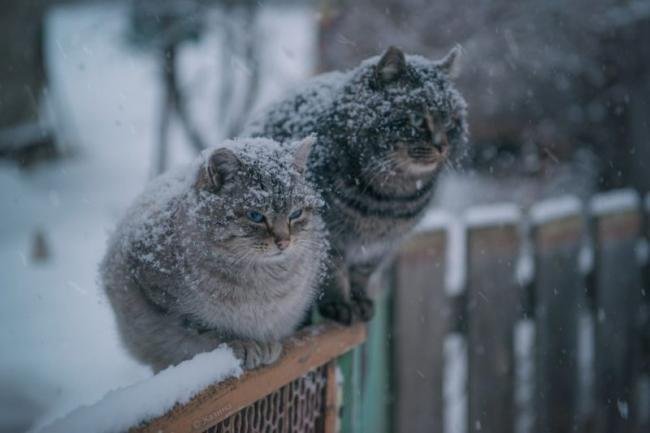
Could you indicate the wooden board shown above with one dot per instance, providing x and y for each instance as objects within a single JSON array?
[
  {"x": 493, "y": 306},
  {"x": 618, "y": 297},
  {"x": 308, "y": 350},
  {"x": 560, "y": 299},
  {"x": 644, "y": 389},
  {"x": 421, "y": 319},
  {"x": 376, "y": 410}
]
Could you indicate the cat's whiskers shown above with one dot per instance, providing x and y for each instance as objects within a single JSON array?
[{"x": 380, "y": 168}]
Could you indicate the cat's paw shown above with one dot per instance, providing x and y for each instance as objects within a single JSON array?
[
  {"x": 254, "y": 354},
  {"x": 271, "y": 351},
  {"x": 364, "y": 308},
  {"x": 360, "y": 309},
  {"x": 339, "y": 311}
]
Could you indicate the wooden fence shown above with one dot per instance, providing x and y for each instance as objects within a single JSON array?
[{"x": 525, "y": 322}]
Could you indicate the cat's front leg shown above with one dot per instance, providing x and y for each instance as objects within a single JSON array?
[
  {"x": 363, "y": 306},
  {"x": 254, "y": 354},
  {"x": 345, "y": 298},
  {"x": 335, "y": 302}
]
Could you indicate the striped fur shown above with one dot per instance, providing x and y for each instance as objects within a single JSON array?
[{"x": 384, "y": 131}]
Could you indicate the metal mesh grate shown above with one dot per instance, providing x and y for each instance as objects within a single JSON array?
[{"x": 296, "y": 407}]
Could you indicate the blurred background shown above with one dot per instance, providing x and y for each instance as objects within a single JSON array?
[{"x": 97, "y": 97}]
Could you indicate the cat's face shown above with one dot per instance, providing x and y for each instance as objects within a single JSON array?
[
  {"x": 257, "y": 203},
  {"x": 405, "y": 116}
]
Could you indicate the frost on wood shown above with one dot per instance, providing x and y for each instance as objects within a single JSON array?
[
  {"x": 585, "y": 361},
  {"x": 614, "y": 201},
  {"x": 586, "y": 256},
  {"x": 555, "y": 209},
  {"x": 455, "y": 384},
  {"x": 525, "y": 268},
  {"x": 493, "y": 215},
  {"x": 434, "y": 219},
  {"x": 456, "y": 272},
  {"x": 524, "y": 348},
  {"x": 456, "y": 248},
  {"x": 127, "y": 407}
]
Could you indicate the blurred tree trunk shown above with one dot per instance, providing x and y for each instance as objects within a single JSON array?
[
  {"x": 22, "y": 75},
  {"x": 25, "y": 135}
]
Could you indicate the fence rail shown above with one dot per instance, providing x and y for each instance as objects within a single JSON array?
[{"x": 296, "y": 394}]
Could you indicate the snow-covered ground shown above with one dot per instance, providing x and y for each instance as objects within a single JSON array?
[{"x": 60, "y": 348}]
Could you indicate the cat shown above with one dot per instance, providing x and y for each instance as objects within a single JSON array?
[
  {"x": 384, "y": 132},
  {"x": 228, "y": 250}
]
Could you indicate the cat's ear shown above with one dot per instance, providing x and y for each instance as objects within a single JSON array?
[
  {"x": 451, "y": 63},
  {"x": 391, "y": 66},
  {"x": 301, "y": 153},
  {"x": 219, "y": 167}
]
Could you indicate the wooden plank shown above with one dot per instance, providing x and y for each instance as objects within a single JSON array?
[
  {"x": 376, "y": 383},
  {"x": 421, "y": 320},
  {"x": 350, "y": 365},
  {"x": 493, "y": 306},
  {"x": 617, "y": 297},
  {"x": 560, "y": 299},
  {"x": 644, "y": 386},
  {"x": 308, "y": 350},
  {"x": 331, "y": 416}
]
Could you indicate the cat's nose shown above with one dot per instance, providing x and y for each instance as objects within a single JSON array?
[{"x": 282, "y": 244}]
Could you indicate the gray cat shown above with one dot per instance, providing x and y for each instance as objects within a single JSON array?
[
  {"x": 229, "y": 250},
  {"x": 385, "y": 130}
]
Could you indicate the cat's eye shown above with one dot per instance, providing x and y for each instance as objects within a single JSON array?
[
  {"x": 295, "y": 214},
  {"x": 255, "y": 216}
]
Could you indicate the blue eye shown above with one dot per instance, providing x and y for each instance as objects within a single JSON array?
[
  {"x": 295, "y": 214},
  {"x": 255, "y": 216}
]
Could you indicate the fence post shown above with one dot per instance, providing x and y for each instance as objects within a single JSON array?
[
  {"x": 618, "y": 300},
  {"x": 644, "y": 386},
  {"x": 376, "y": 382},
  {"x": 559, "y": 300},
  {"x": 350, "y": 365},
  {"x": 493, "y": 307},
  {"x": 421, "y": 320}
]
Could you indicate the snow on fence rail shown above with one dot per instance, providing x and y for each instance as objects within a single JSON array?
[
  {"x": 544, "y": 341},
  {"x": 210, "y": 393}
]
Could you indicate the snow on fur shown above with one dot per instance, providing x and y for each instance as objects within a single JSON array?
[
  {"x": 349, "y": 102},
  {"x": 149, "y": 218},
  {"x": 127, "y": 407}
]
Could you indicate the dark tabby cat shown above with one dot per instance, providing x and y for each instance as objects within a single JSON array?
[
  {"x": 385, "y": 130},
  {"x": 229, "y": 249}
]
